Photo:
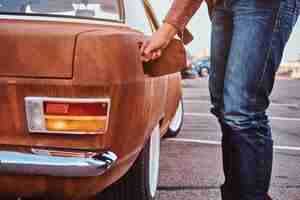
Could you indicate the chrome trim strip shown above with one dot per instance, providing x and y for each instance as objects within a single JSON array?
[
  {"x": 71, "y": 100},
  {"x": 60, "y": 19},
  {"x": 41, "y": 100},
  {"x": 35, "y": 164}
]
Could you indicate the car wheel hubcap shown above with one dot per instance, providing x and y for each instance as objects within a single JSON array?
[
  {"x": 154, "y": 161},
  {"x": 176, "y": 121}
]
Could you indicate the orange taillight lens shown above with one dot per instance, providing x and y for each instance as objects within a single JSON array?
[{"x": 75, "y": 124}]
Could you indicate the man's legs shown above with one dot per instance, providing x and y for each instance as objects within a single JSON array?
[
  {"x": 250, "y": 121},
  {"x": 248, "y": 83},
  {"x": 222, "y": 36}
]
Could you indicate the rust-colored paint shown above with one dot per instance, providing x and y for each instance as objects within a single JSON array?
[
  {"x": 105, "y": 64},
  {"x": 38, "y": 50}
]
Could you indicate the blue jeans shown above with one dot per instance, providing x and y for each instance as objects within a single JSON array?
[{"x": 248, "y": 39}]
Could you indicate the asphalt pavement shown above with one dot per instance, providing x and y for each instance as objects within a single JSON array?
[{"x": 191, "y": 164}]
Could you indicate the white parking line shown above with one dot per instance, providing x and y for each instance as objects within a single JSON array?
[
  {"x": 272, "y": 104},
  {"x": 285, "y": 119},
  {"x": 211, "y": 142},
  {"x": 196, "y": 101},
  {"x": 199, "y": 115},
  {"x": 272, "y": 118}
]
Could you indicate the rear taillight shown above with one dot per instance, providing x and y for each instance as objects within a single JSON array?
[{"x": 69, "y": 116}]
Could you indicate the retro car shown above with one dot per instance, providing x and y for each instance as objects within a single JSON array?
[{"x": 81, "y": 115}]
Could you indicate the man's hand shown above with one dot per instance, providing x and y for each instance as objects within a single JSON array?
[{"x": 152, "y": 49}]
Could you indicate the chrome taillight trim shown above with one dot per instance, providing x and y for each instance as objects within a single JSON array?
[{"x": 39, "y": 101}]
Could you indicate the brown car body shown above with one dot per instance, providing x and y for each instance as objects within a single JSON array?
[{"x": 77, "y": 60}]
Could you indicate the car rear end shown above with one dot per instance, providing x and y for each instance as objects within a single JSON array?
[{"x": 67, "y": 105}]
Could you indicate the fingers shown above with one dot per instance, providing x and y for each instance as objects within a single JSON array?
[
  {"x": 146, "y": 58},
  {"x": 150, "y": 50},
  {"x": 146, "y": 47},
  {"x": 156, "y": 54},
  {"x": 143, "y": 45},
  {"x": 155, "y": 42},
  {"x": 151, "y": 56}
]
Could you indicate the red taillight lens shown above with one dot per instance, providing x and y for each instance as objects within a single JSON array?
[{"x": 76, "y": 109}]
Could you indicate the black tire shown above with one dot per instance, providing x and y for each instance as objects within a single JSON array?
[
  {"x": 135, "y": 184},
  {"x": 173, "y": 131}
]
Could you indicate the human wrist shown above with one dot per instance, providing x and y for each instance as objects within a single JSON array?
[{"x": 169, "y": 30}]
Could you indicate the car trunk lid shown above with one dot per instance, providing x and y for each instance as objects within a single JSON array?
[{"x": 37, "y": 50}]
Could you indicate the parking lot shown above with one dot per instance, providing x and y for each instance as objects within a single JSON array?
[{"x": 191, "y": 165}]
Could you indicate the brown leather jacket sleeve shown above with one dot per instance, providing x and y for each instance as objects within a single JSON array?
[{"x": 180, "y": 14}]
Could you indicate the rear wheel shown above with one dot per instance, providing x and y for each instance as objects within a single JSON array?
[
  {"x": 140, "y": 182},
  {"x": 177, "y": 121}
]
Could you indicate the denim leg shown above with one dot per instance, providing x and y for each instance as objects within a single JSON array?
[
  {"x": 228, "y": 187},
  {"x": 220, "y": 45},
  {"x": 244, "y": 105}
]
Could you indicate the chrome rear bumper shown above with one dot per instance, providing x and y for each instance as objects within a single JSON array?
[{"x": 43, "y": 163}]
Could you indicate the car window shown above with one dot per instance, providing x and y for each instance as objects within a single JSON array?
[
  {"x": 136, "y": 16},
  {"x": 96, "y": 9}
]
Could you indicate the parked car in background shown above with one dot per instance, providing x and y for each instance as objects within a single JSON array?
[
  {"x": 190, "y": 72},
  {"x": 80, "y": 116},
  {"x": 202, "y": 66}
]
